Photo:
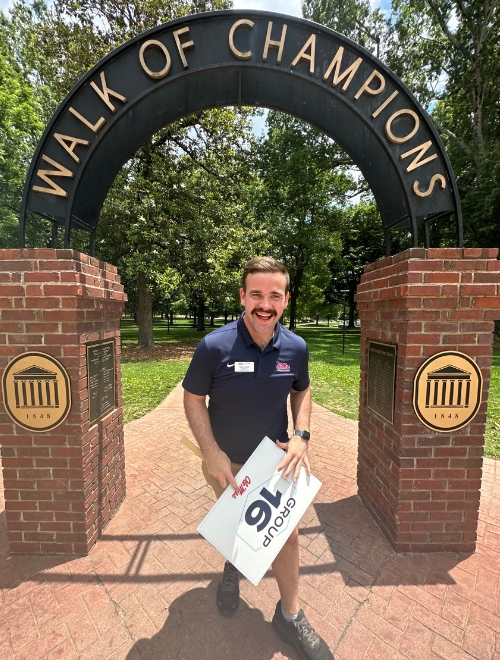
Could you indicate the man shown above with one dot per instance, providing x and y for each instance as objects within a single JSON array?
[{"x": 248, "y": 368}]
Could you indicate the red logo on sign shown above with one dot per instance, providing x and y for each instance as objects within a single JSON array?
[
  {"x": 282, "y": 366},
  {"x": 242, "y": 487}
]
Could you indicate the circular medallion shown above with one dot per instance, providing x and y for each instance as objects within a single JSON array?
[
  {"x": 447, "y": 391},
  {"x": 36, "y": 391}
]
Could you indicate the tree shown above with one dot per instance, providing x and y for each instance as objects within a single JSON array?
[
  {"x": 180, "y": 203},
  {"x": 302, "y": 188},
  {"x": 456, "y": 72},
  {"x": 20, "y": 128},
  {"x": 448, "y": 53},
  {"x": 185, "y": 159},
  {"x": 363, "y": 243},
  {"x": 354, "y": 18}
]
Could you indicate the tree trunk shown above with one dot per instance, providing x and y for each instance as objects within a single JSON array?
[
  {"x": 352, "y": 307},
  {"x": 295, "y": 285},
  {"x": 171, "y": 317},
  {"x": 194, "y": 317},
  {"x": 293, "y": 311},
  {"x": 225, "y": 318},
  {"x": 201, "y": 315},
  {"x": 144, "y": 313},
  {"x": 317, "y": 320},
  {"x": 212, "y": 319}
]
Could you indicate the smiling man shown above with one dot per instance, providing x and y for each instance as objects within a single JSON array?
[{"x": 247, "y": 369}]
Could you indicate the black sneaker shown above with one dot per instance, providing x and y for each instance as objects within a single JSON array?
[
  {"x": 301, "y": 635},
  {"x": 228, "y": 591}
]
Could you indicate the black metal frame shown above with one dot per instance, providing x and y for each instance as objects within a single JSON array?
[{"x": 215, "y": 77}]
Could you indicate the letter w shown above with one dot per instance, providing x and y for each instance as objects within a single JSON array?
[
  {"x": 45, "y": 174},
  {"x": 335, "y": 67},
  {"x": 416, "y": 162}
]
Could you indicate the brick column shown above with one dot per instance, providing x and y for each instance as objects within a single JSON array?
[
  {"x": 423, "y": 487},
  {"x": 62, "y": 486}
]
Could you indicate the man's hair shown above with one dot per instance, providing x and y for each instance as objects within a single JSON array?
[{"x": 265, "y": 265}]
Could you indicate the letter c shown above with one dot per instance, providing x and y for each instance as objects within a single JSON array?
[{"x": 234, "y": 50}]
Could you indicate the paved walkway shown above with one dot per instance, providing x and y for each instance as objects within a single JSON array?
[{"x": 147, "y": 589}]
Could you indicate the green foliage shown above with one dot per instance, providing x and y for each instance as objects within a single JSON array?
[
  {"x": 448, "y": 54},
  {"x": 354, "y": 18},
  {"x": 455, "y": 71},
  {"x": 79, "y": 33},
  {"x": 492, "y": 435},
  {"x": 180, "y": 208},
  {"x": 20, "y": 128},
  {"x": 302, "y": 190}
]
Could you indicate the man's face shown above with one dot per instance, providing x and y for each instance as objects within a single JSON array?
[{"x": 264, "y": 300}]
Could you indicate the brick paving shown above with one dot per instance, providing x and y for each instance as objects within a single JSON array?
[{"x": 147, "y": 589}]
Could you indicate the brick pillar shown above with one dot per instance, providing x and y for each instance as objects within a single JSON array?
[
  {"x": 62, "y": 486},
  {"x": 421, "y": 486}
]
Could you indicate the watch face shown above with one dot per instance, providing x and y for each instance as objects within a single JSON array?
[{"x": 305, "y": 435}]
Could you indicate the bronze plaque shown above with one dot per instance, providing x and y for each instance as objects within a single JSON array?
[
  {"x": 382, "y": 379},
  {"x": 447, "y": 391},
  {"x": 101, "y": 379},
  {"x": 36, "y": 392}
]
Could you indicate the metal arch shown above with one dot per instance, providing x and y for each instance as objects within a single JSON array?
[{"x": 214, "y": 77}]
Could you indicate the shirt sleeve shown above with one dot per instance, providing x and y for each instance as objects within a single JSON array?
[
  {"x": 198, "y": 378},
  {"x": 302, "y": 381}
]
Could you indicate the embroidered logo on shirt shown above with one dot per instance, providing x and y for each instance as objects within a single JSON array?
[{"x": 282, "y": 366}]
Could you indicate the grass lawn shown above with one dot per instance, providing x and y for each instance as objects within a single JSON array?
[
  {"x": 334, "y": 375},
  {"x": 182, "y": 330},
  {"x": 146, "y": 384}
]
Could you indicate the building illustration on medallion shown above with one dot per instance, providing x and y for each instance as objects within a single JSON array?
[
  {"x": 448, "y": 387},
  {"x": 36, "y": 391},
  {"x": 447, "y": 391},
  {"x": 36, "y": 387}
]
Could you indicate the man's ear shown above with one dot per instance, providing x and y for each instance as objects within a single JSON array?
[{"x": 242, "y": 296}]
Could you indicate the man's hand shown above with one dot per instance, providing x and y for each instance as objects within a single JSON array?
[
  {"x": 216, "y": 461},
  {"x": 219, "y": 466},
  {"x": 296, "y": 456}
]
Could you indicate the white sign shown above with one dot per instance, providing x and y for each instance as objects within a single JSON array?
[{"x": 249, "y": 526}]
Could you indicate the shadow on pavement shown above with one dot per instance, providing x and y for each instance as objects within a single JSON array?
[
  {"x": 363, "y": 554},
  {"x": 195, "y": 630}
]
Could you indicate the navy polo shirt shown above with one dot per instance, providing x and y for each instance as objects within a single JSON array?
[{"x": 245, "y": 406}]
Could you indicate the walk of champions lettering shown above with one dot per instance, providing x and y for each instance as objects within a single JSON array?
[
  {"x": 337, "y": 70},
  {"x": 447, "y": 391},
  {"x": 36, "y": 392}
]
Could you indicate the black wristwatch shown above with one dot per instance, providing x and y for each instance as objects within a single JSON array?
[{"x": 305, "y": 435}]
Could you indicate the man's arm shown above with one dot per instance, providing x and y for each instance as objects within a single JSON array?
[
  {"x": 217, "y": 461},
  {"x": 296, "y": 448}
]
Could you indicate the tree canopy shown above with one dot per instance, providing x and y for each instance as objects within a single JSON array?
[{"x": 204, "y": 194}]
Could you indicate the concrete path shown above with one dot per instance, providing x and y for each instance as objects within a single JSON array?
[{"x": 147, "y": 590}]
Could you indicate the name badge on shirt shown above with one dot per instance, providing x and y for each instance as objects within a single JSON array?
[{"x": 243, "y": 367}]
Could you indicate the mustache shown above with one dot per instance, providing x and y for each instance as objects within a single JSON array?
[{"x": 263, "y": 311}]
